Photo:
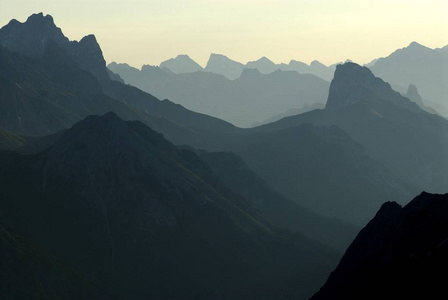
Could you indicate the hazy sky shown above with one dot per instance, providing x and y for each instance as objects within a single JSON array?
[{"x": 150, "y": 31}]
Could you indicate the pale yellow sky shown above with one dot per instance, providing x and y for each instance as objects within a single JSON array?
[{"x": 150, "y": 31}]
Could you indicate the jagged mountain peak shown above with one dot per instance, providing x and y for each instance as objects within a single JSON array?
[
  {"x": 181, "y": 64},
  {"x": 89, "y": 39},
  {"x": 30, "y": 37},
  {"x": 416, "y": 45},
  {"x": 264, "y": 59},
  {"x": 40, "y": 17},
  {"x": 316, "y": 63}
]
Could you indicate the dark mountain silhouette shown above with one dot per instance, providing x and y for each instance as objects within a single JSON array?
[
  {"x": 393, "y": 130},
  {"x": 401, "y": 254},
  {"x": 141, "y": 218},
  {"x": 283, "y": 213},
  {"x": 30, "y": 37},
  {"x": 230, "y": 100},
  {"x": 181, "y": 64},
  {"x": 323, "y": 169},
  {"x": 419, "y": 65},
  {"x": 222, "y": 65}
]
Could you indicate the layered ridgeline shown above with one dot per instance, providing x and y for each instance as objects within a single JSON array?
[
  {"x": 234, "y": 172},
  {"x": 401, "y": 254},
  {"x": 54, "y": 92},
  {"x": 47, "y": 94},
  {"x": 323, "y": 169},
  {"x": 222, "y": 65},
  {"x": 140, "y": 218},
  {"x": 49, "y": 83},
  {"x": 230, "y": 100},
  {"x": 396, "y": 132},
  {"x": 421, "y": 66}
]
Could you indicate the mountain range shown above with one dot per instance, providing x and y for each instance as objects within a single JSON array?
[
  {"x": 230, "y": 100},
  {"x": 415, "y": 65},
  {"x": 222, "y": 65},
  {"x": 108, "y": 192},
  {"x": 371, "y": 157}
]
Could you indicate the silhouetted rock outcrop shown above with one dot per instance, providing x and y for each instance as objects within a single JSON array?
[
  {"x": 353, "y": 84},
  {"x": 413, "y": 95},
  {"x": 401, "y": 254}
]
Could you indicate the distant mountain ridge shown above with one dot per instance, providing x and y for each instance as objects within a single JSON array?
[
  {"x": 230, "y": 100},
  {"x": 181, "y": 64},
  {"x": 231, "y": 69},
  {"x": 421, "y": 66}
]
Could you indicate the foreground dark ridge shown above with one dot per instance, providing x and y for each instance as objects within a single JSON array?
[
  {"x": 401, "y": 254},
  {"x": 119, "y": 205}
]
